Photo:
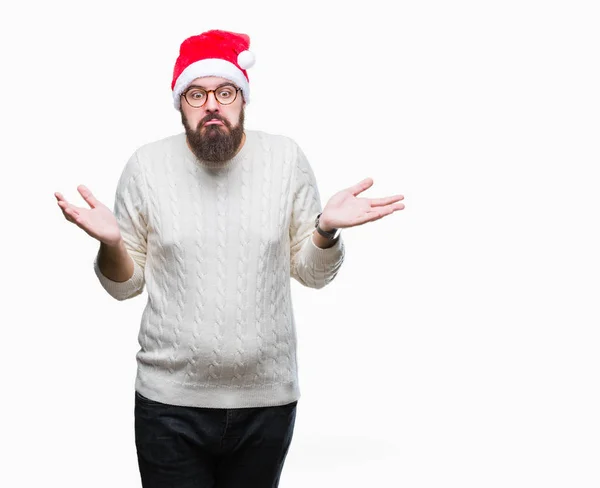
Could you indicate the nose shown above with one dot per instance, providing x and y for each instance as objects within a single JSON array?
[{"x": 211, "y": 104}]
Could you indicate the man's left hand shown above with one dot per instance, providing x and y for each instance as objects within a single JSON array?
[{"x": 344, "y": 209}]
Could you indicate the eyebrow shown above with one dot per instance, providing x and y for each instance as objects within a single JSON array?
[{"x": 228, "y": 83}]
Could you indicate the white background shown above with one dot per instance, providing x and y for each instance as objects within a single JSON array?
[{"x": 459, "y": 344}]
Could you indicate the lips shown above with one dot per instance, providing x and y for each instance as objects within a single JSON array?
[{"x": 214, "y": 122}]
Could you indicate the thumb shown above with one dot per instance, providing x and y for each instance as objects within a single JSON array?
[
  {"x": 361, "y": 186},
  {"x": 87, "y": 196}
]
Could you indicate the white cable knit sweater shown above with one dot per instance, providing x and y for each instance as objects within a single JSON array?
[{"x": 215, "y": 248}]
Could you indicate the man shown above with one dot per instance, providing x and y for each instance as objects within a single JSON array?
[{"x": 214, "y": 222}]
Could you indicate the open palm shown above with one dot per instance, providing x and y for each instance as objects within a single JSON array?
[
  {"x": 98, "y": 220},
  {"x": 345, "y": 209}
]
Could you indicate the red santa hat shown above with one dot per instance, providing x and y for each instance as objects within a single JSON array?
[{"x": 213, "y": 53}]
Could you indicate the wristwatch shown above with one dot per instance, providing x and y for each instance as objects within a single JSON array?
[{"x": 329, "y": 235}]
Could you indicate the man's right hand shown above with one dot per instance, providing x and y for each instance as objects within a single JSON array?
[{"x": 98, "y": 221}]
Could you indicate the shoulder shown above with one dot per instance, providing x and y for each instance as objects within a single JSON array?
[
  {"x": 166, "y": 146},
  {"x": 149, "y": 159},
  {"x": 280, "y": 148},
  {"x": 273, "y": 142}
]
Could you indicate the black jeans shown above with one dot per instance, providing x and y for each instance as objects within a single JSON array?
[{"x": 189, "y": 447}]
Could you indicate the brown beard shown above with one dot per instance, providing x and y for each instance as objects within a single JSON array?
[{"x": 214, "y": 143}]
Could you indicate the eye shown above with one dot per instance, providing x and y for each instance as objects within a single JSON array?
[
  {"x": 196, "y": 95},
  {"x": 226, "y": 92}
]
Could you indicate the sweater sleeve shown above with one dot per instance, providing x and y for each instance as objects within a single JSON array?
[
  {"x": 310, "y": 265},
  {"x": 130, "y": 210}
]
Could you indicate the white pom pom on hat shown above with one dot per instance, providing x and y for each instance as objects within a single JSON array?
[{"x": 246, "y": 59}]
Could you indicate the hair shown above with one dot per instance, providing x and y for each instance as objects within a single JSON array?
[{"x": 214, "y": 143}]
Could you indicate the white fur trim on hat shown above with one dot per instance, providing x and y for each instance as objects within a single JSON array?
[{"x": 210, "y": 67}]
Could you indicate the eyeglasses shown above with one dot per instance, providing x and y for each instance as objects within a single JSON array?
[{"x": 225, "y": 95}]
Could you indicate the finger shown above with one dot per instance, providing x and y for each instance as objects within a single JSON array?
[
  {"x": 78, "y": 219},
  {"x": 68, "y": 209},
  {"x": 372, "y": 217},
  {"x": 379, "y": 213},
  {"x": 377, "y": 202},
  {"x": 60, "y": 197},
  {"x": 67, "y": 214},
  {"x": 87, "y": 196},
  {"x": 388, "y": 209},
  {"x": 360, "y": 187},
  {"x": 66, "y": 205}
]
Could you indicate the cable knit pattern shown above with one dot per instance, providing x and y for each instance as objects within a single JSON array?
[
  {"x": 239, "y": 367},
  {"x": 157, "y": 301},
  {"x": 221, "y": 278},
  {"x": 263, "y": 264},
  {"x": 177, "y": 266},
  {"x": 215, "y": 249},
  {"x": 277, "y": 294},
  {"x": 199, "y": 297}
]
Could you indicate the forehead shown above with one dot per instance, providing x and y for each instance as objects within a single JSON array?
[{"x": 210, "y": 82}]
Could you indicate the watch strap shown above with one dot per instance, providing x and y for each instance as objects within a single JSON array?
[{"x": 329, "y": 235}]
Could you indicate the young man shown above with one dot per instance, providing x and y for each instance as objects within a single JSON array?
[{"x": 214, "y": 222}]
